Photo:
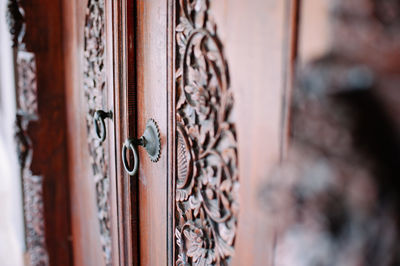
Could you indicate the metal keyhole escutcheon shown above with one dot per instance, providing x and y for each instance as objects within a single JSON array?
[
  {"x": 150, "y": 140},
  {"x": 99, "y": 124}
]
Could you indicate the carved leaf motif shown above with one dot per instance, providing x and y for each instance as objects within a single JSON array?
[
  {"x": 206, "y": 178},
  {"x": 27, "y": 112},
  {"x": 15, "y": 21},
  {"x": 34, "y": 218},
  {"x": 27, "y": 89},
  {"x": 94, "y": 85},
  {"x": 32, "y": 192}
]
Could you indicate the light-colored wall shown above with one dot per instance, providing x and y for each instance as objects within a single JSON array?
[{"x": 11, "y": 213}]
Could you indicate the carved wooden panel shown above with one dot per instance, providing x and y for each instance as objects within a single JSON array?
[
  {"x": 34, "y": 217},
  {"x": 26, "y": 84},
  {"x": 27, "y": 112},
  {"x": 94, "y": 89},
  {"x": 32, "y": 184},
  {"x": 207, "y": 180},
  {"x": 15, "y": 22}
]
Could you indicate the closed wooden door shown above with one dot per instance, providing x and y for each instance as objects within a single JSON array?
[
  {"x": 213, "y": 76},
  {"x": 91, "y": 116}
]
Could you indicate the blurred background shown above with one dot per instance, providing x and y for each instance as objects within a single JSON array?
[{"x": 11, "y": 214}]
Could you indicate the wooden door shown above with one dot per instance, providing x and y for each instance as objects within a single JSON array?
[
  {"x": 94, "y": 211},
  {"x": 214, "y": 76}
]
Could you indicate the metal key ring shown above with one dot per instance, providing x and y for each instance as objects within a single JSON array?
[
  {"x": 150, "y": 140},
  {"x": 130, "y": 144},
  {"x": 98, "y": 118}
]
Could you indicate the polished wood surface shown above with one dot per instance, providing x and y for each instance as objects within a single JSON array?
[
  {"x": 47, "y": 135},
  {"x": 217, "y": 77},
  {"x": 255, "y": 40},
  {"x": 86, "y": 233},
  {"x": 258, "y": 80},
  {"x": 85, "y": 237},
  {"x": 121, "y": 38},
  {"x": 151, "y": 67}
]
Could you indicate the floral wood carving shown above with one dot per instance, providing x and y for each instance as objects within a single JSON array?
[
  {"x": 15, "y": 21},
  {"x": 27, "y": 112},
  {"x": 26, "y": 104},
  {"x": 27, "y": 89},
  {"x": 32, "y": 184},
  {"x": 33, "y": 198},
  {"x": 207, "y": 179},
  {"x": 94, "y": 84}
]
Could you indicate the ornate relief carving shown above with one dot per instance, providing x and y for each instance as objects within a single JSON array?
[
  {"x": 27, "y": 90},
  {"x": 207, "y": 179},
  {"x": 94, "y": 84},
  {"x": 35, "y": 227},
  {"x": 27, "y": 112},
  {"x": 15, "y": 21},
  {"x": 33, "y": 196}
]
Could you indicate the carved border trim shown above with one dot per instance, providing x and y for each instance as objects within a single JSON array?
[
  {"x": 207, "y": 180},
  {"x": 94, "y": 89},
  {"x": 27, "y": 112}
]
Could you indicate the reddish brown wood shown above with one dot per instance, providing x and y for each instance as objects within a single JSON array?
[
  {"x": 42, "y": 122},
  {"x": 151, "y": 54},
  {"x": 141, "y": 63},
  {"x": 260, "y": 83},
  {"x": 124, "y": 69},
  {"x": 255, "y": 52},
  {"x": 95, "y": 88},
  {"x": 116, "y": 68},
  {"x": 165, "y": 214},
  {"x": 92, "y": 182}
]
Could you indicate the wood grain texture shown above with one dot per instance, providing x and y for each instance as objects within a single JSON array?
[
  {"x": 253, "y": 34},
  {"x": 84, "y": 212},
  {"x": 151, "y": 55},
  {"x": 200, "y": 142}
]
